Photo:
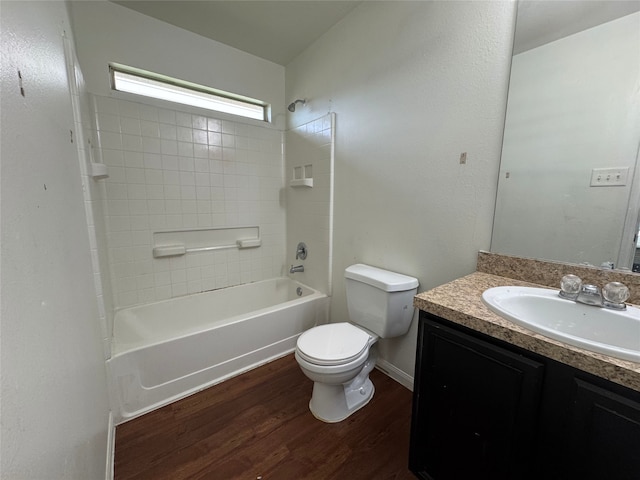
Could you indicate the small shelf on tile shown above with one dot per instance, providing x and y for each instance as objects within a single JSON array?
[
  {"x": 302, "y": 182},
  {"x": 98, "y": 171}
]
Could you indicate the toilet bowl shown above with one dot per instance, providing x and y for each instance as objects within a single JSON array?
[{"x": 338, "y": 357}]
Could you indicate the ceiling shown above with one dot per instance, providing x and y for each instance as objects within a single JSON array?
[
  {"x": 543, "y": 21},
  {"x": 280, "y": 30},
  {"x": 274, "y": 30}
]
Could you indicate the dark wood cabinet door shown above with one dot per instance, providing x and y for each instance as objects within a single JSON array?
[
  {"x": 603, "y": 435},
  {"x": 475, "y": 408}
]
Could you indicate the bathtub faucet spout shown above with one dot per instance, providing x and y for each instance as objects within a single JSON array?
[{"x": 296, "y": 269}]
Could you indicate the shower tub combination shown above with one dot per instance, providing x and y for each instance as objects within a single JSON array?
[{"x": 168, "y": 350}]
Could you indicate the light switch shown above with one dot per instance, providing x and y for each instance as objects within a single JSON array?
[{"x": 609, "y": 177}]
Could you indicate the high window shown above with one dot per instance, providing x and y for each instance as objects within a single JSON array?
[{"x": 148, "y": 84}]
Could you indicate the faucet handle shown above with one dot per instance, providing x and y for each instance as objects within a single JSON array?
[
  {"x": 615, "y": 294},
  {"x": 301, "y": 251},
  {"x": 570, "y": 286}
]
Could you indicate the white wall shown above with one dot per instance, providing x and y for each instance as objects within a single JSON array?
[
  {"x": 574, "y": 105},
  {"x": 413, "y": 85},
  {"x": 107, "y": 32},
  {"x": 53, "y": 384}
]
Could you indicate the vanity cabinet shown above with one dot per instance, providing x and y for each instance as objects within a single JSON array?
[
  {"x": 485, "y": 409},
  {"x": 603, "y": 434},
  {"x": 475, "y": 407}
]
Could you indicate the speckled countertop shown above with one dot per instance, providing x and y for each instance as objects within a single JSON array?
[{"x": 460, "y": 301}]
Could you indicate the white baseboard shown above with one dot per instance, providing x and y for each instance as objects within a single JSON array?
[
  {"x": 395, "y": 373},
  {"x": 111, "y": 448}
]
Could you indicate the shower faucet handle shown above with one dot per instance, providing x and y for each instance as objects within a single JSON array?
[{"x": 301, "y": 251}]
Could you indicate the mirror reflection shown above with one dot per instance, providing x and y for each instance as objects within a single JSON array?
[{"x": 568, "y": 187}]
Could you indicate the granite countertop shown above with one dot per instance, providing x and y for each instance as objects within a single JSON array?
[{"x": 460, "y": 301}]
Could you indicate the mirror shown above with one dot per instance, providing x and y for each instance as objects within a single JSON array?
[{"x": 568, "y": 187}]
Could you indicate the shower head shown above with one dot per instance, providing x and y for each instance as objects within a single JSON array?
[{"x": 292, "y": 105}]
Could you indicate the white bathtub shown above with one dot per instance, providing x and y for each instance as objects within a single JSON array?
[{"x": 167, "y": 350}]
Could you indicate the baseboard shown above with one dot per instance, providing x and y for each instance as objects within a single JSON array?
[
  {"x": 395, "y": 373},
  {"x": 111, "y": 448}
]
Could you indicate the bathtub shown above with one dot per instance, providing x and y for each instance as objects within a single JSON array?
[{"x": 164, "y": 351}]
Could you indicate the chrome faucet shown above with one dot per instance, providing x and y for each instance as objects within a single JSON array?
[
  {"x": 613, "y": 295},
  {"x": 590, "y": 295},
  {"x": 296, "y": 269}
]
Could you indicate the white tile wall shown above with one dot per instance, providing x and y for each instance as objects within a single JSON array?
[
  {"x": 171, "y": 170},
  {"x": 310, "y": 210},
  {"x": 93, "y": 195}
]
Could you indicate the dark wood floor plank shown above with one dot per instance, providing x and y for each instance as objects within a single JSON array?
[{"x": 259, "y": 424}]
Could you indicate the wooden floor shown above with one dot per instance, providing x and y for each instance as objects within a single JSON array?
[{"x": 258, "y": 425}]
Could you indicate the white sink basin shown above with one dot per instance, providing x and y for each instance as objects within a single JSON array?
[{"x": 614, "y": 333}]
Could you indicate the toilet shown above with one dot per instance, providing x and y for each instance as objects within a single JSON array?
[{"x": 338, "y": 357}]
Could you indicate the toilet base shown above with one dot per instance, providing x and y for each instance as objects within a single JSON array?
[{"x": 334, "y": 403}]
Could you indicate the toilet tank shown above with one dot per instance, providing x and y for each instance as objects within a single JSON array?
[{"x": 379, "y": 300}]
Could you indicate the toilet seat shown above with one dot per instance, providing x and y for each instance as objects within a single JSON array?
[{"x": 333, "y": 344}]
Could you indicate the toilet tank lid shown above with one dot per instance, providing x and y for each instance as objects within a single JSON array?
[{"x": 379, "y": 278}]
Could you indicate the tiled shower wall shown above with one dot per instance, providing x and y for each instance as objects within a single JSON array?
[
  {"x": 172, "y": 170},
  {"x": 310, "y": 147},
  {"x": 93, "y": 193}
]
